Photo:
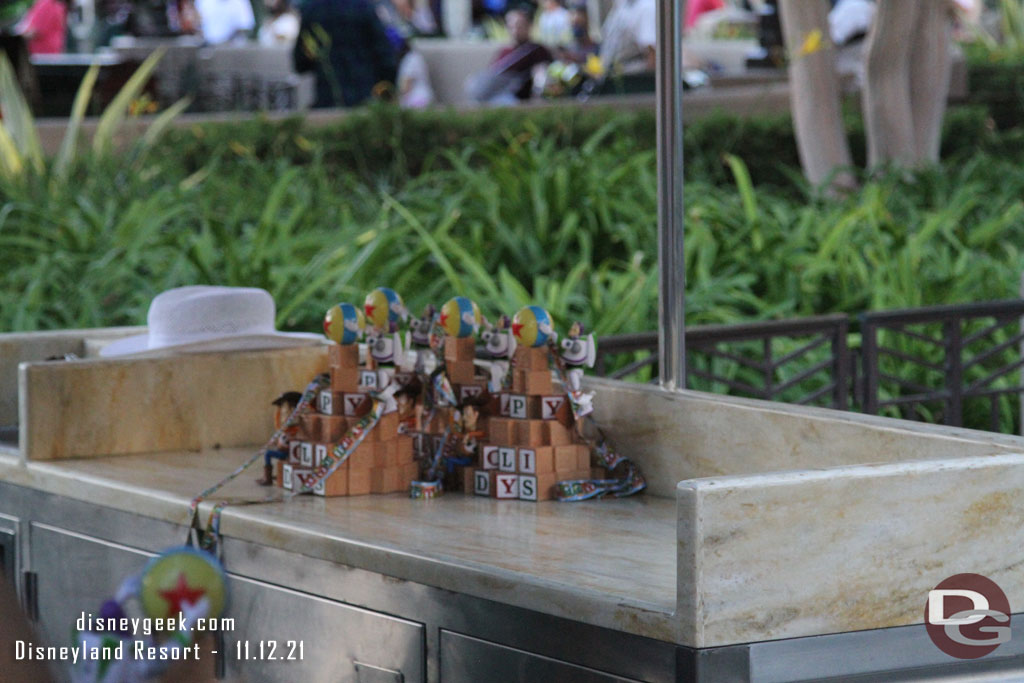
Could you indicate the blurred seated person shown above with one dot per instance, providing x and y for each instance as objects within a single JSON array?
[
  {"x": 509, "y": 78},
  {"x": 344, "y": 42},
  {"x": 582, "y": 45},
  {"x": 554, "y": 24},
  {"x": 418, "y": 16},
  {"x": 225, "y": 20},
  {"x": 414, "y": 88},
  {"x": 44, "y": 27},
  {"x": 281, "y": 25},
  {"x": 630, "y": 34}
]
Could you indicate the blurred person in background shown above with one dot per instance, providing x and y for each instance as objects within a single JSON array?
[
  {"x": 695, "y": 8},
  {"x": 418, "y": 16},
  {"x": 281, "y": 25},
  {"x": 344, "y": 43},
  {"x": 554, "y": 25},
  {"x": 225, "y": 20},
  {"x": 510, "y": 77},
  {"x": 630, "y": 34},
  {"x": 45, "y": 26},
  {"x": 414, "y": 88},
  {"x": 582, "y": 45}
]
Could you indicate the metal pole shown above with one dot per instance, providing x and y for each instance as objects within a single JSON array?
[{"x": 671, "y": 259}]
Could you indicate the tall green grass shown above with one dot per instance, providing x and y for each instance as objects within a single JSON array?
[{"x": 530, "y": 215}]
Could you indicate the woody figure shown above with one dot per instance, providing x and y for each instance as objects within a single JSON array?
[{"x": 284, "y": 406}]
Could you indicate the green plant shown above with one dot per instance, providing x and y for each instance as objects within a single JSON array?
[{"x": 20, "y": 151}]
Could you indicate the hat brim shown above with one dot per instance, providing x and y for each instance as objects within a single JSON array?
[{"x": 138, "y": 346}]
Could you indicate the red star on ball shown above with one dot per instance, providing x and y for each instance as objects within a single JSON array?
[
  {"x": 444, "y": 320},
  {"x": 369, "y": 310},
  {"x": 181, "y": 593},
  {"x": 516, "y": 327},
  {"x": 327, "y": 326}
]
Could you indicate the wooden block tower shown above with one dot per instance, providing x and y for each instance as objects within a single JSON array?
[
  {"x": 531, "y": 441},
  {"x": 383, "y": 462}
]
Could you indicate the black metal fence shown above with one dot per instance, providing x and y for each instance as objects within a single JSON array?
[{"x": 957, "y": 365}]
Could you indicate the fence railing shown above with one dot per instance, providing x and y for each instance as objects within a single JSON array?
[{"x": 958, "y": 365}]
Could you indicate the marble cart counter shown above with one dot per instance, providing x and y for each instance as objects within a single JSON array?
[
  {"x": 762, "y": 521},
  {"x": 607, "y": 563}
]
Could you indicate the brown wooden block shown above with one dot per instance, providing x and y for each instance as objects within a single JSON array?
[
  {"x": 332, "y": 428},
  {"x": 288, "y": 476},
  {"x": 354, "y": 404},
  {"x": 345, "y": 379},
  {"x": 404, "y": 452},
  {"x": 501, "y": 431},
  {"x": 539, "y": 460},
  {"x": 329, "y": 403},
  {"x": 387, "y": 453},
  {"x": 278, "y": 469},
  {"x": 465, "y": 391},
  {"x": 537, "y": 487},
  {"x": 309, "y": 427},
  {"x": 546, "y": 486},
  {"x": 334, "y": 485},
  {"x": 387, "y": 427},
  {"x": 460, "y": 371},
  {"x": 378, "y": 480},
  {"x": 565, "y": 459},
  {"x": 518, "y": 385},
  {"x": 520, "y": 406},
  {"x": 531, "y": 433},
  {"x": 556, "y": 434},
  {"x": 598, "y": 473},
  {"x": 537, "y": 382},
  {"x": 368, "y": 381},
  {"x": 372, "y": 436},
  {"x": 579, "y": 474},
  {"x": 305, "y": 453},
  {"x": 531, "y": 358},
  {"x": 490, "y": 457},
  {"x": 507, "y": 458},
  {"x": 554, "y": 407},
  {"x": 468, "y": 476},
  {"x": 301, "y": 477},
  {"x": 506, "y": 485},
  {"x": 483, "y": 482},
  {"x": 330, "y": 452},
  {"x": 364, "y": 457},
  {"x": 583, "y": 458},
  {"x": 459, "y": 348},
  {"x": 358, "y": 482},
  {"x": 410, "y": 473},
  {"x": 343, "y": 356}
]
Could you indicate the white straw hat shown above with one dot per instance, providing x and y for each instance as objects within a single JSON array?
[{"x": 203, "y": 318}]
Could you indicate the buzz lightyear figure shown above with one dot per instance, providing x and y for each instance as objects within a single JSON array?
[
  {"x": 385, "y": 349},
  {"x": 500, "y": 344},
  {"x": 579, "y": 352}
]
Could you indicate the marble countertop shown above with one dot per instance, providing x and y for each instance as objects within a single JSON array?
[{"x": 609, "y": 563}]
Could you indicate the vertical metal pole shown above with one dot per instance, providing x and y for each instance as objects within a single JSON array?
[{"x": 671, "y": 260}]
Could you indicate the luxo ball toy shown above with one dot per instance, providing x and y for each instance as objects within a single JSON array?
[
  {"x": 344, "y": 324},
  {"x": 183, "y": 580},
  {"x": 384, "y": 309},
  {"x": 460, "y": 317},
  {"x": 532, "y": 326}
]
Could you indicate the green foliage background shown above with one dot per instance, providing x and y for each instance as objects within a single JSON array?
[{"x": 556, "y": 207}]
